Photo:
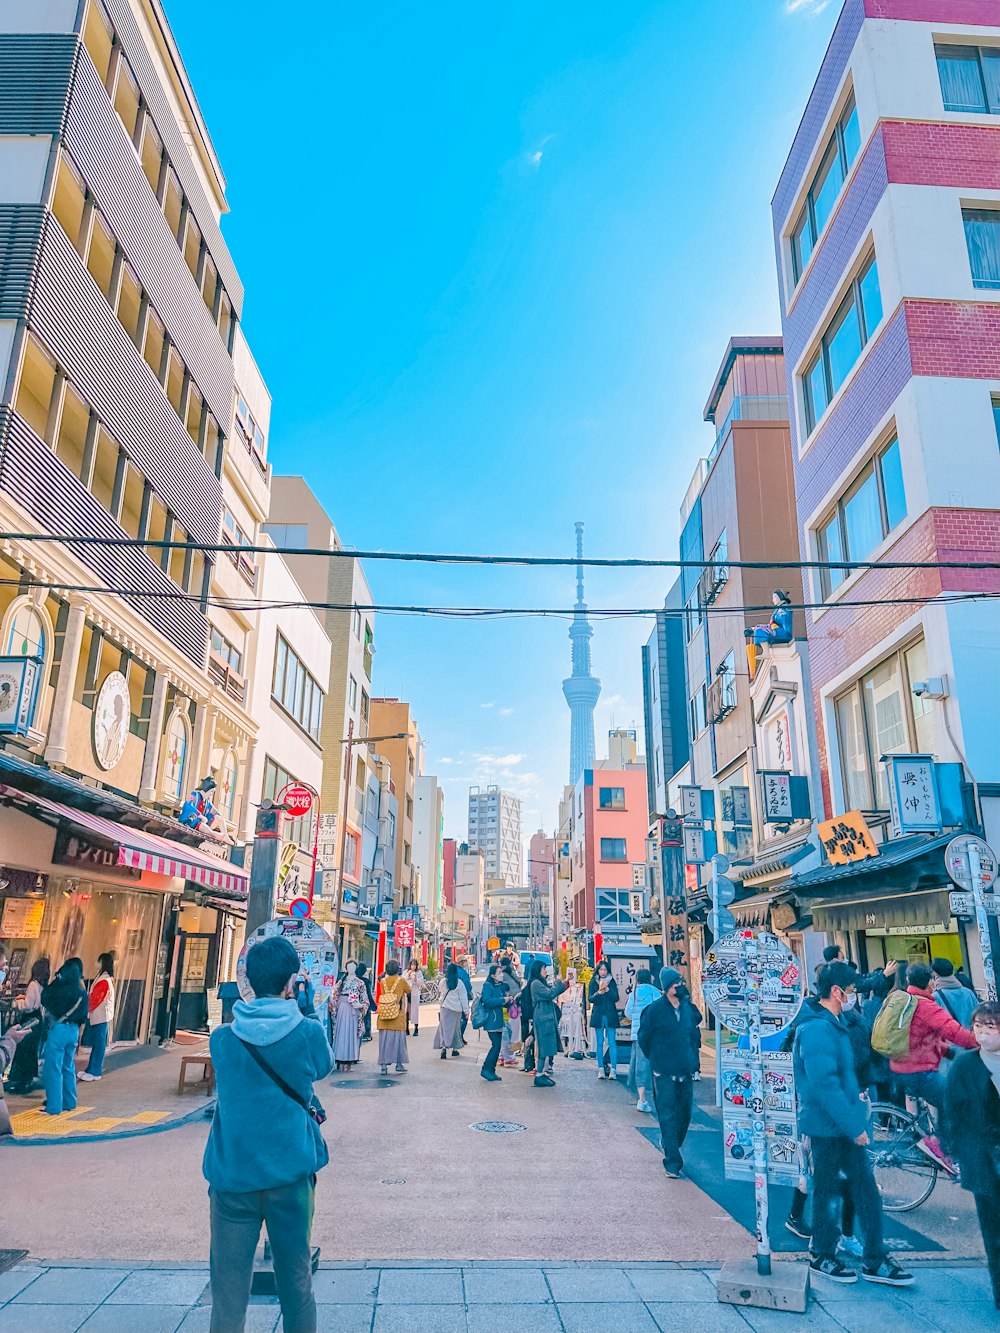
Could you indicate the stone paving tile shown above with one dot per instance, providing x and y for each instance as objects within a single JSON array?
[
  {"x": 964, "y": 1315},
  {"x": 15, "y": 1280},
  {"x": 73, "y": 1286},
  {"x": 500, "y": 1286},
  {"x": 598, "y": 1317},
  {"x": 412, "y": 1287},
  {"x": 513, "y": 1319},
  {"x": 701, "y": 1317},
  {"x": 946, "y": 1284},
  {"x": 671, "y": 1285},
  {"x": 815, "y": 1320},
  {"x": 156, "y": 1287},
  {"x": 43, "y": 1318},
  {"x": 583, "y": 1284},
  {"x": 260, "y": 1319},
  {"x": 353, "y": 1318},
  {"x": 888, "y": 1315},
  {"x": 348, "y": 1286},
  {"x": 135, "y": 1318},
  {"x": 420, "y": 1319}
]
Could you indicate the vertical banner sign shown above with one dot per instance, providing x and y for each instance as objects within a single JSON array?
[
  {"x": 972, "y": 865},
  {"x": 753, "y": 985}
]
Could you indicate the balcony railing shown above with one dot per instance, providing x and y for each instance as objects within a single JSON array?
[
  {"x": 750, "y": 407},
  {"x": 223, "y": 674}
]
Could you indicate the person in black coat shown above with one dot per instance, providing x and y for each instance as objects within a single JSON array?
[
  {"x": 604, "y": 1018},
  {"x": 669, "y": 1037},
  {"x": 65, "y": 1002},
  {"x": 527, "y": 1005},
  {"x": 971, "y": 1129}
]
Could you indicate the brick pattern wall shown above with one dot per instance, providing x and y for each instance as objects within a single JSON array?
[
  {"x": 881, "y": 378},
  {"x": 959, "y": 339},
  {"x": 962, "y": 156},
  {"x": 979, "y": 13}
]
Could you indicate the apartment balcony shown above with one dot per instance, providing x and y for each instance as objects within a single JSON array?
[
  {"x": 750, "y": 407},
  {"x": 223, "y": 674}
]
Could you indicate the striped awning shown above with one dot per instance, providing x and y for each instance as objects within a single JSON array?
[{"x": 138, "y": 849}]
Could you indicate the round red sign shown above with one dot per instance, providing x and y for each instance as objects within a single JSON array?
[{"x": 297, "y": 800}]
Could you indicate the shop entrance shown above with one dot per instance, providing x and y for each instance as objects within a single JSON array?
[
  {"x": 192, "y": 972},
  {"x": 882, "y": 947}
]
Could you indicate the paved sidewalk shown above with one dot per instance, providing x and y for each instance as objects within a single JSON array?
[{"x": 483, "y": 1298}]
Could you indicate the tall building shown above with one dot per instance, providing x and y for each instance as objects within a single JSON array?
[
  {"x": 120, "y": 353},
  {"x": 887, "y": 235},
  {"x": 495, "y": 828},
  {"x": 449, "y": 855},
  {"x": 392, "y": 717},
  {"x": 582, "y": 689},
  {"x": 428, "y": 844},
  {"x": 664, "y": 698}
]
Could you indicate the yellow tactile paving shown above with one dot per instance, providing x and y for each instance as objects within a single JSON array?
[{"x": 36, "y": 1124}]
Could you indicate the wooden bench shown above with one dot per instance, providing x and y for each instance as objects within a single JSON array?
[{"x": 207, "y": 1073}]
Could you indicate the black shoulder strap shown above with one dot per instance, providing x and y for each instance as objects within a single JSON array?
[
  {"x": 945, "y": 1005},
  {"x": 275, "y": 1077}
]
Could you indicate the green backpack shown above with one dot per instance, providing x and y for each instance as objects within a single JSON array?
[{"x": 891, "y": 1030}]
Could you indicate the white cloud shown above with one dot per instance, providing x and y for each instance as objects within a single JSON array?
[
  {"x": 806, "y": 6},
  {"x": 492, "y": 704},
  {"x": 445, "y": 760},
  {"x": 506, "y": 712},
  {"x": 535, "y": 158},
  {"x": 500, "y": 761}
]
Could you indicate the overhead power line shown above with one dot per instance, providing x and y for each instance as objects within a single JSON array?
[{"x": 527, "y": 561}]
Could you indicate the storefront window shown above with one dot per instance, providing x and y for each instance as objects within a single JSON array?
[
  {"x": 26, "y": 637},
  {"x": 227, "y": 792},
  {"x": 886, "y": 720}
]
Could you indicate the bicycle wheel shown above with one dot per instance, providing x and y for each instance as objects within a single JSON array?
[{"x": 904, "y": 1175}]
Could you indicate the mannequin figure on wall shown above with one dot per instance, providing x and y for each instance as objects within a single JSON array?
[{"x": 778, "y": 630}]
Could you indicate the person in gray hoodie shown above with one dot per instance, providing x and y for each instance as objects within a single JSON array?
[
  {"x": 957, "y": 1002},
  {"x": 265, "y": 1063}
]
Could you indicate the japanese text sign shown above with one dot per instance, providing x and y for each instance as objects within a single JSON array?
[{"x": 846, "y": 838}]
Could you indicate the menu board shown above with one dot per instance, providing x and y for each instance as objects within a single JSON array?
[{"x": 22, "y": 918}]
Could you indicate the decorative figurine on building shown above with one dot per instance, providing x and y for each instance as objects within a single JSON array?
[
  {"x": 199, "y": 813},
  {"x": 778, "y": 630}
]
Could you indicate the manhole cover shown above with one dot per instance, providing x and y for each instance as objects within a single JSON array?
[
  {"x": 397, "y": 1180},
  {"x": 364, "y": 1083},
  {"x": 498, "y": 1126}
]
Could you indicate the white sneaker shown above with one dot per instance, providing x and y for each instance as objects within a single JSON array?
[
  {"x": 600, "y": 1073},
  {"x": 88, "y": 1078},
  {"x": 613, "y": 1077}
]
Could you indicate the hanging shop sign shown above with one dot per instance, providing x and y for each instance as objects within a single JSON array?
[
  {"x": 914, "y": 804},
  {"x": 847, "y": 838},
  {"x": 404, "y": 934},
  {"x": 19, "y": 678},
  {"x": 784, "y": 798},
  {"x": 699, "y": 844},
  {"x": 71, "y": 849}
]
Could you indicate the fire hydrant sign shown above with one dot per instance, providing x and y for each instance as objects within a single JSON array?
[
  {"x": 297, "y": 800},
  {"x": 318, "y": 956},
  {"x": 405, "y": 934}
]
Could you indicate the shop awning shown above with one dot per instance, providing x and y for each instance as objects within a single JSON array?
[
  {"x": 753, "y": 911},
  {"x": 876, "y": 912},
  {"x": 136, "y": 848},
  {"x": 903, "y": 864}
]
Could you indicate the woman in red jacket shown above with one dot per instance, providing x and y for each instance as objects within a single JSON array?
[{"x": 931, "y": 1033}]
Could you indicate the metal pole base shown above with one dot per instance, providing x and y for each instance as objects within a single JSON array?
[{"x": 785, "y": 1288}]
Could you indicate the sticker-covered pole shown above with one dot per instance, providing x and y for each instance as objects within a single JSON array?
[
  {"x": 982, "y": 923},
  {"x": 751, "y": 956}
]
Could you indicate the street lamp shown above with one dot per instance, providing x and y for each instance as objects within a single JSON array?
[{"x": 348, "y": 773}]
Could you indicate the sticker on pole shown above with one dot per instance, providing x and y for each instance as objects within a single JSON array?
[
  {"x": 956, "y": 860},
  {"x": 318, "y": 957},
  {"x": 300, "y": 908},
  {"x": 728, "y": 982}
]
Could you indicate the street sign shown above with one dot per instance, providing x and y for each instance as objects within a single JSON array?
[
  {"x": 300, "y": 908},
  {"x": 956, "y": 860},
  {"x": 318, "y": 957},
  {"x": 729, "y": 982},
  {"x": 721, "y": 921},
  {"x": 405, "y": 934},
  {"x": 297, "y": 800},
  {"x": 964, "y": 904},
  {"x": 723, "y": 890},
  {"x": 493, "y": 942}
]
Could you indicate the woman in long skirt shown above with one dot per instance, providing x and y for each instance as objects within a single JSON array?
[
  {"x": 415, "y": 979},
  {"x": 391, "y": 1011},
  {"x": 352, "y": 1002},
  {"x": 454, "y": 1004},
  {"x": 571, "y": 1029}
]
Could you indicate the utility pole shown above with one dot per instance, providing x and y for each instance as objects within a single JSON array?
[{"x": 264, "y": 867}]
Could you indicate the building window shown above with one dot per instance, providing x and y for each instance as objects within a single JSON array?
[
  {"x": 996, "y": 418},
  {"x": 843, "y": 342},
  {"x": 352, "y": 693},
  {"x": 970, "y": 77},
  {"x": 296, "y": 690},
  {"x": 26, "y": 636},
  {"x": 613, "y": 849},
  {"x": 234, "y": 536},
  {"x": 365, "y": 706},
  {"x": 227, "y": 785},
  {"x": 357, "y": 623},
  {"x": 879, "y": 716},
  {"x": 611, "y": 798},
  {"x": 228, "y": 652},
  {"x": 175, "y": 755},
  {"x": 982, "y": 236},
  {"x": 253, "y": 438},
  {"x": 825, "y": 188},
  {"x": 698, "y": 712},
  {"x": 693, "y": 614},
  {"x": 286, "y": 535},
  {"x": 727, "y": 682},
  {"x": 873, "y": 505},
  {"x": 276, "y": 779}
]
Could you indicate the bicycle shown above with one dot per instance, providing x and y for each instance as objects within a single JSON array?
[{"x": 904, "y": 1173}]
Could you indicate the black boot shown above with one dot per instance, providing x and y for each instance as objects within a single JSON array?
[
  {"x": 444, "y": 1055},
  {"x": 416, "y": 1029}
]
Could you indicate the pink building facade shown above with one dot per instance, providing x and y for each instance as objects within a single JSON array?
[{"x": 610, "y": 824}]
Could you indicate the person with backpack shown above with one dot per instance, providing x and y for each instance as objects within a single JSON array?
[
  {"x": 488, "y": 1017},
  {"x": 65, "y": 1003},
  {"x": 834, "y": 1117},
  {"x": 392, "y": 1019},
  {"x": 266, "y": 1062},
  {"x": 957, "y": 1002},
  {"x": 915, "y": 1034},
  {"x": 454, "y": 1010}
]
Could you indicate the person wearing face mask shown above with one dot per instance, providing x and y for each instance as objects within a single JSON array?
[
  {"x": 604, "y": 1018},
  {"x": 266, "y": 1062},
  {"x": 972, "y": 1129},
  {"x": 544, "y": 993},
  {"x": 669, "y": 1037},
  {"x": 833, "y": 1116},
  {"x": 350, "y": 1004}
]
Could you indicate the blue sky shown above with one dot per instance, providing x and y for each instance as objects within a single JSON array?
[{"x": 493, "y": 254}]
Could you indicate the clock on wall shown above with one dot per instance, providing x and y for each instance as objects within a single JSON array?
[{"x": 111, "y": 719}]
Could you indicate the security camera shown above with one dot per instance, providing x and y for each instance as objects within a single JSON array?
[{"x": 934, "y": 687}]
